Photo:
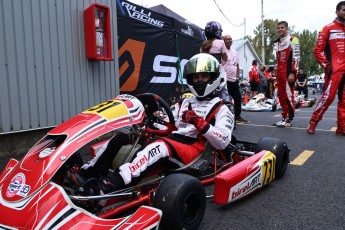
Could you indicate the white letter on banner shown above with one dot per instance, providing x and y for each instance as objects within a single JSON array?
[{"x": 164, "y": 69}]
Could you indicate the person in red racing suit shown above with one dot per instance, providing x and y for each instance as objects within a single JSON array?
[
  {"x": 198, "y": 119},
  {"x": 288, "y": 55},
  {"x": 329, "y": 52}
]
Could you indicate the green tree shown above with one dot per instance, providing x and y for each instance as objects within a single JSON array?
[
  {"x": 307, "y": 43},
  {"x": 270, "y": 36}
]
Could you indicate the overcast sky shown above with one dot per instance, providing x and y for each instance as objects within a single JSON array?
[{"x": 303, "y": 14}]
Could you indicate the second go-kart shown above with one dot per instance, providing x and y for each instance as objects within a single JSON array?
[
  {"x": 260, "y": 103},
  {"x": 301, "y": 101},
  {"x": 36, "y": 193}
]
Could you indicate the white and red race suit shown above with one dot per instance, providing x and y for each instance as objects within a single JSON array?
[
  {"x": 186, "y": 143},
  {"x": 329, "y": 52},
  {"x": 288, "y": 54}
]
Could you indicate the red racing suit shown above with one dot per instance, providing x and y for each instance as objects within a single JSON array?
[
  {"x": 253, "y": 74},
  {"x": 288, "y": 55},
  {"x": 329, "y": 52}
]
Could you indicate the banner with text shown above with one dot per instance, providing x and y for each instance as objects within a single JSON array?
[{"x": 152, "y": 53}]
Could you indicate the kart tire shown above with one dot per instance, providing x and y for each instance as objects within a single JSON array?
[
  {"x": 313, "y": 100},
  {"x": 274, "y": 107},
  {"x": 279, "y": 148},
  {"x": 182, "y": 199},
  {"x": 297, "y": 105}
]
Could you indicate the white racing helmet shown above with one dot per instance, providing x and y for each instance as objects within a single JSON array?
[
  {"x": 223, "y": 80},
  {"x": 202, "y": 63}
]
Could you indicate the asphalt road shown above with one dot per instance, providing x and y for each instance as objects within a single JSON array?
[{"x": 309, "y": 196}]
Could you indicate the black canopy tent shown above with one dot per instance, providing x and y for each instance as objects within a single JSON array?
[{"x": 153, "y": 48}]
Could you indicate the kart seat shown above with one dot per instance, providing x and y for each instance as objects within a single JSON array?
[{"x": 124, "y": 155}]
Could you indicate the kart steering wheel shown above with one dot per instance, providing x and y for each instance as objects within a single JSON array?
[{"x": 153, "y": 104}]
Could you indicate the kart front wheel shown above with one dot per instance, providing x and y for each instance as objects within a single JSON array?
[
  {"x": 279, "y": 148},
  {"x": 182, "y": 200}
]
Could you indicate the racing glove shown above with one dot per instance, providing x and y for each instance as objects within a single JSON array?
[
  {"x": 190, "y": 117},
  {"x": 328, "y": 70}
]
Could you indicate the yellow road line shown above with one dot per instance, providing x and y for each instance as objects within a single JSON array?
[{"x": 302, "y": 158}]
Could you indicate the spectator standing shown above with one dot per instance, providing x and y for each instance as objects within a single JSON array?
[
  {"x": 215, "y": 46},
  {"x": 329, "y": 52},
  {"x": 287, "y": 52},
  {"x": 270, "y": 83},
  {"x": 273, "y": 83},
  {"x": 262, "y": 80},
  {"x": 232, "y": 69},
  {"x": 302, "y": 83},
  {"x": 254, "y": 79},
  {"x": 316, "y": 84}
]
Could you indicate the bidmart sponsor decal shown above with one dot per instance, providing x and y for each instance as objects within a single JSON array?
[
  {"x": 246, "y": 186},
  {"x": 141, "y": 15}
]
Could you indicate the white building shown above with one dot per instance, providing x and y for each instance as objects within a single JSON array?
[{"x": 246, "y": 54}]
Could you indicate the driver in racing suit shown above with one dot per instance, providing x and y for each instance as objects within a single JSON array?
[
  {"x": 288, "y": 55},
  {"x": 329, "y": 52},
  {"x": 198, "y": 119}
]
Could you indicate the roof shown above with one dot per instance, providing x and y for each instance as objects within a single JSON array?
[
  {"x": 237, "y": 44},
  {"x": 166, "y": 11}
]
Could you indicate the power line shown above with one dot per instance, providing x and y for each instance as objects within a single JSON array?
[{"x": 225, "y": 16}]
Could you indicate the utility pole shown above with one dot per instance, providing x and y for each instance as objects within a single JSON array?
[
  {"x": 245, "y": 33},
  {"x": 244, "y": 23},
  {"x": 262, "y": 33}
]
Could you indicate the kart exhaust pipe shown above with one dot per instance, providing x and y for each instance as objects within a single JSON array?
[
  {"x": 246, "y": 153},
  {"x": 242, "y": 152}
]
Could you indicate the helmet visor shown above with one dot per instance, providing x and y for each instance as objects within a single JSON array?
[{"x": 201, "y": 65}]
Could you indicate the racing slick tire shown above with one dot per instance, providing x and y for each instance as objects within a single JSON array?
[
  {"x": 182, "y": 199},
  {"x": 279, "y": 148},
  {"x": 297, "y": 105},
  {"x": 274, "y": 107}
]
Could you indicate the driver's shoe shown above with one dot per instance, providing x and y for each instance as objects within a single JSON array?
[
  {"x": 284, "y": 123},
  {"x": 96, "y": 187},
  {"x": 311, "y": 127},
  {"x": 340, "y": 130}
]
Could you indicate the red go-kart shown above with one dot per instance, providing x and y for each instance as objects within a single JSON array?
[{"x": 36, "y": 193}]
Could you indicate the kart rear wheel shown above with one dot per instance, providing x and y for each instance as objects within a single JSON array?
[
  {"x": 279, "y": 148},
  {"x": 182, "y": 200},
  {"x": 274, "y": 107},
  {"x": 297, "y": 105},
  {"x": 313, "y": 100}
]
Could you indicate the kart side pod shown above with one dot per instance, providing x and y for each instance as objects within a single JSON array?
[{"x": 245, "y": 177}]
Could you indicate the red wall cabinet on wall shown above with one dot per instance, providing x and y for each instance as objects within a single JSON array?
[{"x": 97, "y": 32}]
